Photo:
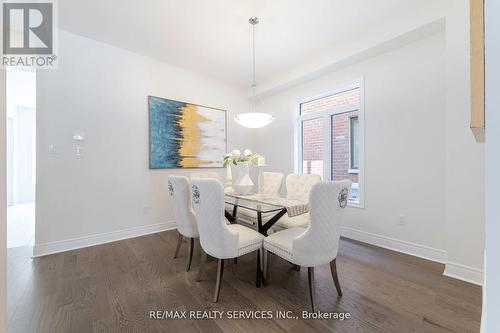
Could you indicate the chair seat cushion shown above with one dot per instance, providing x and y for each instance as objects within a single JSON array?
[
  {"x": 280, "y": 243},
  {"x": 249, "y": 240},
  {"x": 300, "y": 221}
]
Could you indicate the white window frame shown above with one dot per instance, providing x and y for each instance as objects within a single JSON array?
[
  {"x": 351, "y": 170},
  {"x": 327, "y": 133}
]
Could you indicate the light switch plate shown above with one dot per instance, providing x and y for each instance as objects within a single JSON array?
[{"x": 53, "y": 149}]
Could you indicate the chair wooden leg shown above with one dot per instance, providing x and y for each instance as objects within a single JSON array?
[
  {"x": 220, "y": 270},
  {"x": 310, "y": 275},
  {"x": 190, "y": 254},
  {"x": 267, "y": 259},
  {"x": 179, "y": 243},
  {"x": 203, "y": 261},
  {"x": 258, "y": 274},
  {"x": 333, "y": 268}
]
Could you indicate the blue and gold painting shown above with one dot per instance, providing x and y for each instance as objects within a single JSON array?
[{"x": 184, "y": 135}]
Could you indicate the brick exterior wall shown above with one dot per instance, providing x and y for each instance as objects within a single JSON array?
[
  {"x": 312, "y": 138},
  {"x": 312, "y": 143}
]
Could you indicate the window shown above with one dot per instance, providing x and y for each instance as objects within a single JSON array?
[{"x": 330, "y": 145}]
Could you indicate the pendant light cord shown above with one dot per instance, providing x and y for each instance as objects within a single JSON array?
[
  {"x": 253, "y": 21},
  {"x": 254, "y": 86}
]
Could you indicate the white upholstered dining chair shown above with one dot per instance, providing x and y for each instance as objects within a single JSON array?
[
  {"x": 297, "y": 187},
  {"x": 218, "y": 239},
  {"x": 317, "y": 244},
  {"x": 272, "y": 182},
  {"x": 179, "y": 189},
  {"x": 271, "y": 187},
  {"x": 209, "y": 175}
]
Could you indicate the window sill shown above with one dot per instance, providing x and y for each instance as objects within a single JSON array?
[{"x": 353, "y": 171}]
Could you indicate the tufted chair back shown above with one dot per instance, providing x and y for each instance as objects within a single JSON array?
[
  {"x": 319, "y": 244},
  {"x": 208, "y": 202},
  {"x": 298, "y": 186},
  {"x": 272, "y": 183},
  {"x": 180, "y": 191}
]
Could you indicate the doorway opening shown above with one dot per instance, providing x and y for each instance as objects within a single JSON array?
[{"x": 21, "y": 156}]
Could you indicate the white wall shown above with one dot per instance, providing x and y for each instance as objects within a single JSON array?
[
  {"x": 102, "y": 90},
  {"x": 10, "y": 140},
  {"x": 464, "y": 156},
  {"x": 404, "y": 140},
  {"x": 491, "y": 303},
  {"x": 3, "y": 203}
]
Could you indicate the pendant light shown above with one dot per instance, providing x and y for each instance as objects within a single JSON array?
[{"x": 254, "y": 119}]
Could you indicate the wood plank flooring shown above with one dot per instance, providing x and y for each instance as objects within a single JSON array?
[{"x": 112, "y": 288}]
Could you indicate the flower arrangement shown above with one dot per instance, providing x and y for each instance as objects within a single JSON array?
[{"x": 236, "y": 157}]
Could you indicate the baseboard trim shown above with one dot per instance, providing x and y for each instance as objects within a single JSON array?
[
  {"x": 453, "y": 270},
  {"x": 44, "y": 249},
  {"x": 410, "y": 248},
  {"x": 464, "y": 273}
]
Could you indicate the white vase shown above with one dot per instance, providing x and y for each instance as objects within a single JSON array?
[{"x": 241, "y": 181}]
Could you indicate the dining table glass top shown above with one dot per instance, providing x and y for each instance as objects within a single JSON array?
[{"x": 254, "y": 203}]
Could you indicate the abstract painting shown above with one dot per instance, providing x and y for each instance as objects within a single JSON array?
[{"x": 185, "y": 135}]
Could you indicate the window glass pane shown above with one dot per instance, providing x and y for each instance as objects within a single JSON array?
[
  {"x": 346, "y": 98},
  {"x": 341, "y": 147},
  {"x": 312, "y": 146},
  {"x": 354, "y": 143}
]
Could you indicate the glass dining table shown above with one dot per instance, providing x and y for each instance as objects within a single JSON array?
[{"x": 260, "y": 206}]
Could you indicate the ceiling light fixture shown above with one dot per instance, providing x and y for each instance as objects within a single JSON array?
[{"x": 254, "y": 119}]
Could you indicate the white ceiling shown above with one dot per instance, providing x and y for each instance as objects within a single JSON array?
[{"x": 213, "y": 37}]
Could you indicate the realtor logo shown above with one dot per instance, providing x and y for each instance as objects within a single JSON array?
[{"x": 28, "y": 34}]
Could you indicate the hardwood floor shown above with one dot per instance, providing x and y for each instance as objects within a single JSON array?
[{"x": 112, "y": 288}]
